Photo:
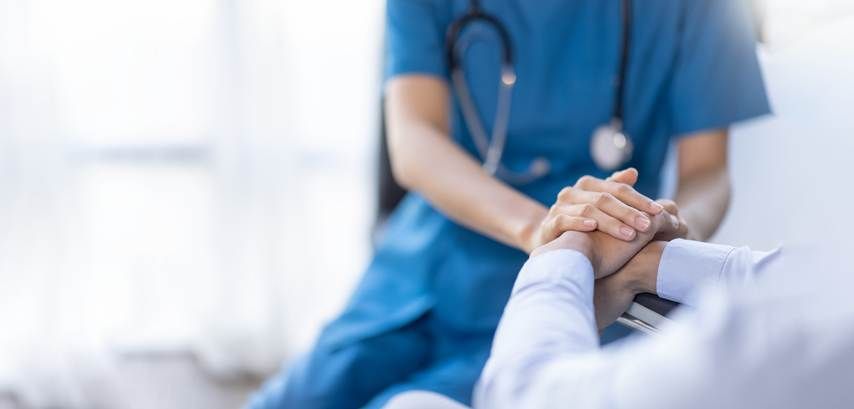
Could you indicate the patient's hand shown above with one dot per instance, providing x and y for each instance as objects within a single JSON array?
[
  {"x": 610, "y": 255},
  {"x": 614, "y": 294},
  {"x": 607, "y": 254}
]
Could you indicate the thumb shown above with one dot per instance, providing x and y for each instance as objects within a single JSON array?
[{"x": 626, "y": 176}]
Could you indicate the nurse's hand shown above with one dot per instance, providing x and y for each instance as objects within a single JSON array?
[
  {"x": 610, "y": 255},
  {"x": 607, "y": 254},
  {"x": 681, "y": 232},
  {"x": 611, "y": 206}
]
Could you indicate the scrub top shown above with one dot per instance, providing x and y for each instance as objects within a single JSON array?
[{"x": 692, "y": 66}]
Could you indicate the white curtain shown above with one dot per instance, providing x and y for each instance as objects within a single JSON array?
[{"x": 190, "y": 176}]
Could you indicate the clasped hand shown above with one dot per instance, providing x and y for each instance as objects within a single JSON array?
[
  {"x": 622, "y": 269},
  {"x": 606, "y": 253},
  {"x": 611, "y": 206},
  {"x": 624, "y": 266}
]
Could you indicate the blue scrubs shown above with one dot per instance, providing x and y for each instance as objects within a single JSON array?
[{"x": 426, "y": 309}]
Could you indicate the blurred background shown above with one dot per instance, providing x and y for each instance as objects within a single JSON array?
[{"x": 187, "y": 189}]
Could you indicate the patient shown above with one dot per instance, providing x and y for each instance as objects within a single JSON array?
[{"x": 765, "y": 334}]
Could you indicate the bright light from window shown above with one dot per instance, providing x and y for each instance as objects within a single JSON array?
[
  {"x": 786, "y": 21},
  {"x": 135, "y": 72}
]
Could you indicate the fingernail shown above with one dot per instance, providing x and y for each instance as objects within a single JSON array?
[
  {"x": 674, "y": 220},
  {"x": 627, "y": 232},
  {"x": 656, "y": 207},
  {"x": 590, "y": 223},
  {"x": 642, "y": 223}
]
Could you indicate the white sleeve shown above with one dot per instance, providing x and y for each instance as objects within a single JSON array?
[
  {"x": 546, "y": 351},
  {"x": 550, "y": 314},
  {"x": 687, "y": 265}
]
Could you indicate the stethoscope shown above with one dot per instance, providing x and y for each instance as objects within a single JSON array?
[{"x": 610, "y": 145}]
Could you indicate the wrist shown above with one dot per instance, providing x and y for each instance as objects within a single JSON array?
[
  {"x": 570, "y": 240},
  {"x": 582, "y": 243},
  {"x": 643, "y": 268},
  {"x": 525, "y": 235}
]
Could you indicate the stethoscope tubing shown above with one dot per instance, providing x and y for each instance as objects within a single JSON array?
[{"x": 491, "y": 149}]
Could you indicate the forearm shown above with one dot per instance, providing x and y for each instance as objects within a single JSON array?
[
  {"x": 462, "y": 190},
  {"x": 703, "y": 199},
  {"x": 425, "y": 159},
  {"x": 686, "y": 265},
  {"x": 674, "y": 270},
  {"x": 549, "y": 315}
]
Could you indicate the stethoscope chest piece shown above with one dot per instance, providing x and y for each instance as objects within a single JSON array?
[{"x": 610, "y": 147}]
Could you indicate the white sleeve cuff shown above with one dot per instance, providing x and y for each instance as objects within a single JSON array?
[{"x": 686, "y": 264}]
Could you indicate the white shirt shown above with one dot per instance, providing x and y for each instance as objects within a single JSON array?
[{"x": 783, "y": 341}]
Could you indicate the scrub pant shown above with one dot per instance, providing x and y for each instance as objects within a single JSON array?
[{"x": 366, "y": 373}]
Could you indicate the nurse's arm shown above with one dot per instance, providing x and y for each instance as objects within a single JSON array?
[
  {"x": 425, "y": 159},
  {"x": 703, "y": 192}
]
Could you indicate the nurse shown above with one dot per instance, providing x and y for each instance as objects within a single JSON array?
[{"x": 424, "y": 314}]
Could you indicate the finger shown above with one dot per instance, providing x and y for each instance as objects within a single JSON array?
[
  {"x": 564, "y": 223},
  {"x": 605, "y": 222},
  {"x": 678, "y": 232},
  {"x": 666, "y": 224},
  {"x": 625, "y": 193},
  {"x": 613, "y": 207},
  {"x": 627, "y": 176},
  {"x": 559, "y": 223},
  {"x": 669, "y": 206}
]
